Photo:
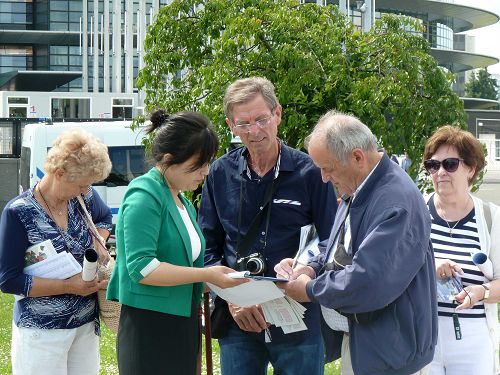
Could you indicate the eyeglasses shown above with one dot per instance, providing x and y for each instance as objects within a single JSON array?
[
  {"x": 449, "y": 165},
  {"x": 261, "y": 123}
]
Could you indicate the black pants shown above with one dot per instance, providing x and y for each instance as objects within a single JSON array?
[{"x": 151, "y": 342}]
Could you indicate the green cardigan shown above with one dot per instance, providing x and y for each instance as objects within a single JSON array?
[{"x": 150, "y": 226}]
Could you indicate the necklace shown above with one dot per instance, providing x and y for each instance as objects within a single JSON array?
[
  {"x": 59, "y": 212},
  {"x": 451, "y": 228},
  {"x": 447, "y": 222}
]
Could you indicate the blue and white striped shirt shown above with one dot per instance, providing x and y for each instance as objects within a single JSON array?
[{"x": 458, "y": 247}]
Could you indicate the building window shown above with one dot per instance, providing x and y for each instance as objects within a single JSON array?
[
  {"x": 18, "y": 106},
  {"x": 122, "y": 108},
  {"x": 15, "y": 58},
  {"x": 70, "y": 108},
  {"x": 16, "y": 13}
]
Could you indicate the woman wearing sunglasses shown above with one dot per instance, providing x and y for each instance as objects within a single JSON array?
[{"x": 461, "y": 227}]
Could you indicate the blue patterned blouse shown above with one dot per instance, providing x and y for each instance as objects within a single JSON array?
[{"x": 23, "y": 224}]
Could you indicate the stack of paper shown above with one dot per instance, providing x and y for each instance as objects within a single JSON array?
[
  {"x": 42, "y": 260},
  {"x": 286, "y": 313},
  {"x": 278, "y": 309}
]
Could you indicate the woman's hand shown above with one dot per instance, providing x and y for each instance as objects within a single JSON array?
[
  {"x": 469, "y": 296},
  {"x": 284, "y": 269},
  {"x": 217, "y": 275},
  {"x": 447, "y": 268},
  {"x": 75, "y": 285}
]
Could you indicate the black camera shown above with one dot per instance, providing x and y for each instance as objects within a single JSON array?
[{"x": 254, "y": 263}]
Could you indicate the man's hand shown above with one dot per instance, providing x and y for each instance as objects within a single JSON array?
[
  {"x": 249, "y": 319},
  {"x": 284, "y": 269},
  {"x": 296, "y": 289}
]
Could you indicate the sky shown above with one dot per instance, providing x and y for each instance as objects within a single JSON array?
[{"x": 487, "y": 39}]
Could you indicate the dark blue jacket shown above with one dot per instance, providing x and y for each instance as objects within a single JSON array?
[
  {"x": 392, "y": 269},
  {"x": 301, "y": 198}
]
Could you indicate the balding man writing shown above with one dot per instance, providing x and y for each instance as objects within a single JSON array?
[{"x": 375, "y": 281}]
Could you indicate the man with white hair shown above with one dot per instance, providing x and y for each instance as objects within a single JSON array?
[{"x": 375, "y": 281}]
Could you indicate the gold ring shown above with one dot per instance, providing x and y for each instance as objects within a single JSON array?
[{"x": 443, "y": 274}]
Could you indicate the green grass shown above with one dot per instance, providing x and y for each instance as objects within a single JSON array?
[{"x": 107, "y": 346}]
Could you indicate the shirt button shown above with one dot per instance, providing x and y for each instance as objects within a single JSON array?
[
  {"x": 261, "y": 208},
  {"x": 263, "y": 233}
]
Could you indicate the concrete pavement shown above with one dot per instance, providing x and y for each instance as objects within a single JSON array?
[{"x": 490, "y": 188}]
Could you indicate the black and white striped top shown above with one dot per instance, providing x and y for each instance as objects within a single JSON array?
[{"x": 458, "y": 248}]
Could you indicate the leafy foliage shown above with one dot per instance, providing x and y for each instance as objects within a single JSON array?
[
  {"x": 317, "y": 60},
  {"x": 482, "y": 86}
]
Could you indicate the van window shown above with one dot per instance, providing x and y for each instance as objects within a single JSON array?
[{"x": 128, "y": 163}]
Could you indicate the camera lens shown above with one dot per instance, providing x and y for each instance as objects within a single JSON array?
[{"x": 255, "y": 265}]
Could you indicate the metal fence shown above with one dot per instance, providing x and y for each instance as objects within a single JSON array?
[{"x": 10, "y": 136}]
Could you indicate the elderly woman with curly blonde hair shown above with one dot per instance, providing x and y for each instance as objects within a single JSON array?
[{"x": 55, "y": 322}]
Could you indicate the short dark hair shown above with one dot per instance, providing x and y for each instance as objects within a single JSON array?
[
  {"x": 183, "y": 135},
  {"x": 467, "y": 146}
]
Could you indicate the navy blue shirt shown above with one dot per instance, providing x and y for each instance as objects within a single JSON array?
[
  {"x": 25, "y": 223},
  {"x": 301, "y": 198}
]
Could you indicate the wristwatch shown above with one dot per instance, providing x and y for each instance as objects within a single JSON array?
[{"x": 486, "y": 291}]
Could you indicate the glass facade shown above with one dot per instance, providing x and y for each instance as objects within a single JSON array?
[
  {"x": 65, "y": 15},
  {"x": 16, "y": 14},
  {"x": 14, "y": 57},
  {"x": 61, "y": 50},
  {"x": 438, "y": 34}
]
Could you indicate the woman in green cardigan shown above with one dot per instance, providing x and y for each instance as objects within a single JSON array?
[{"x": 159, "y": 271}]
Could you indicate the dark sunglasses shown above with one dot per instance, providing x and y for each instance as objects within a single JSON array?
[{"x": 449, "y": 164}]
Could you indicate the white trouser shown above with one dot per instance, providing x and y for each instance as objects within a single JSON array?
[
  {"x": 473, "y": 355},
  {"x": 347, "y": 364},
  {"x": 55, "y": 351}
]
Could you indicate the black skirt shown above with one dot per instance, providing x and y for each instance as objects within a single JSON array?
[{"x": 151, "y": 342}]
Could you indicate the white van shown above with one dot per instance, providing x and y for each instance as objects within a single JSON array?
[{"x": 124, "y": 146}]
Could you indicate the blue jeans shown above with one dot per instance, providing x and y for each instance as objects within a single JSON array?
[{"x": 244, "y": 354}]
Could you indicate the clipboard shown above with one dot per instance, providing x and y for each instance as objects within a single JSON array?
[{"x": 248, "y": 275}]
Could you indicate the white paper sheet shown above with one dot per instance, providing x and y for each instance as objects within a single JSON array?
[
  {"x": 250, "y": 293},
  {"x": 59, "y": 266}
]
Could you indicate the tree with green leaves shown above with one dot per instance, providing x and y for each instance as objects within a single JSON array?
[
  {"x": 315, "y": 57},
  {"x": 481, "y": 85}
]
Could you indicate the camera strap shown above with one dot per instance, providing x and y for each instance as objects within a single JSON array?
[{"x": 265, "y": 209}]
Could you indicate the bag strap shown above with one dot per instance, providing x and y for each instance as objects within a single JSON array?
[
  {"x": 242, "y": 250},
  {"x": 103, "y": 255},
  {"x": 487, "y": 215}
]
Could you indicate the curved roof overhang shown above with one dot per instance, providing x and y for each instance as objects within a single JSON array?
[
  {"x": 458, "y": 17},
  {"x": 71, "y": 38},
  {"x": 478, "y": 103},
  {"x": 460, "y": 61},
  {"x": 36, "y": 80}
]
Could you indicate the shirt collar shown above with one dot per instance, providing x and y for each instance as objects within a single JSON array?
[
  {"x": 364, "y": 181},
  {"x": 283, "y": 163}
]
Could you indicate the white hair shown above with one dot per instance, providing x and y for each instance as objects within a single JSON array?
[{"x": 343, "y": 133}]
